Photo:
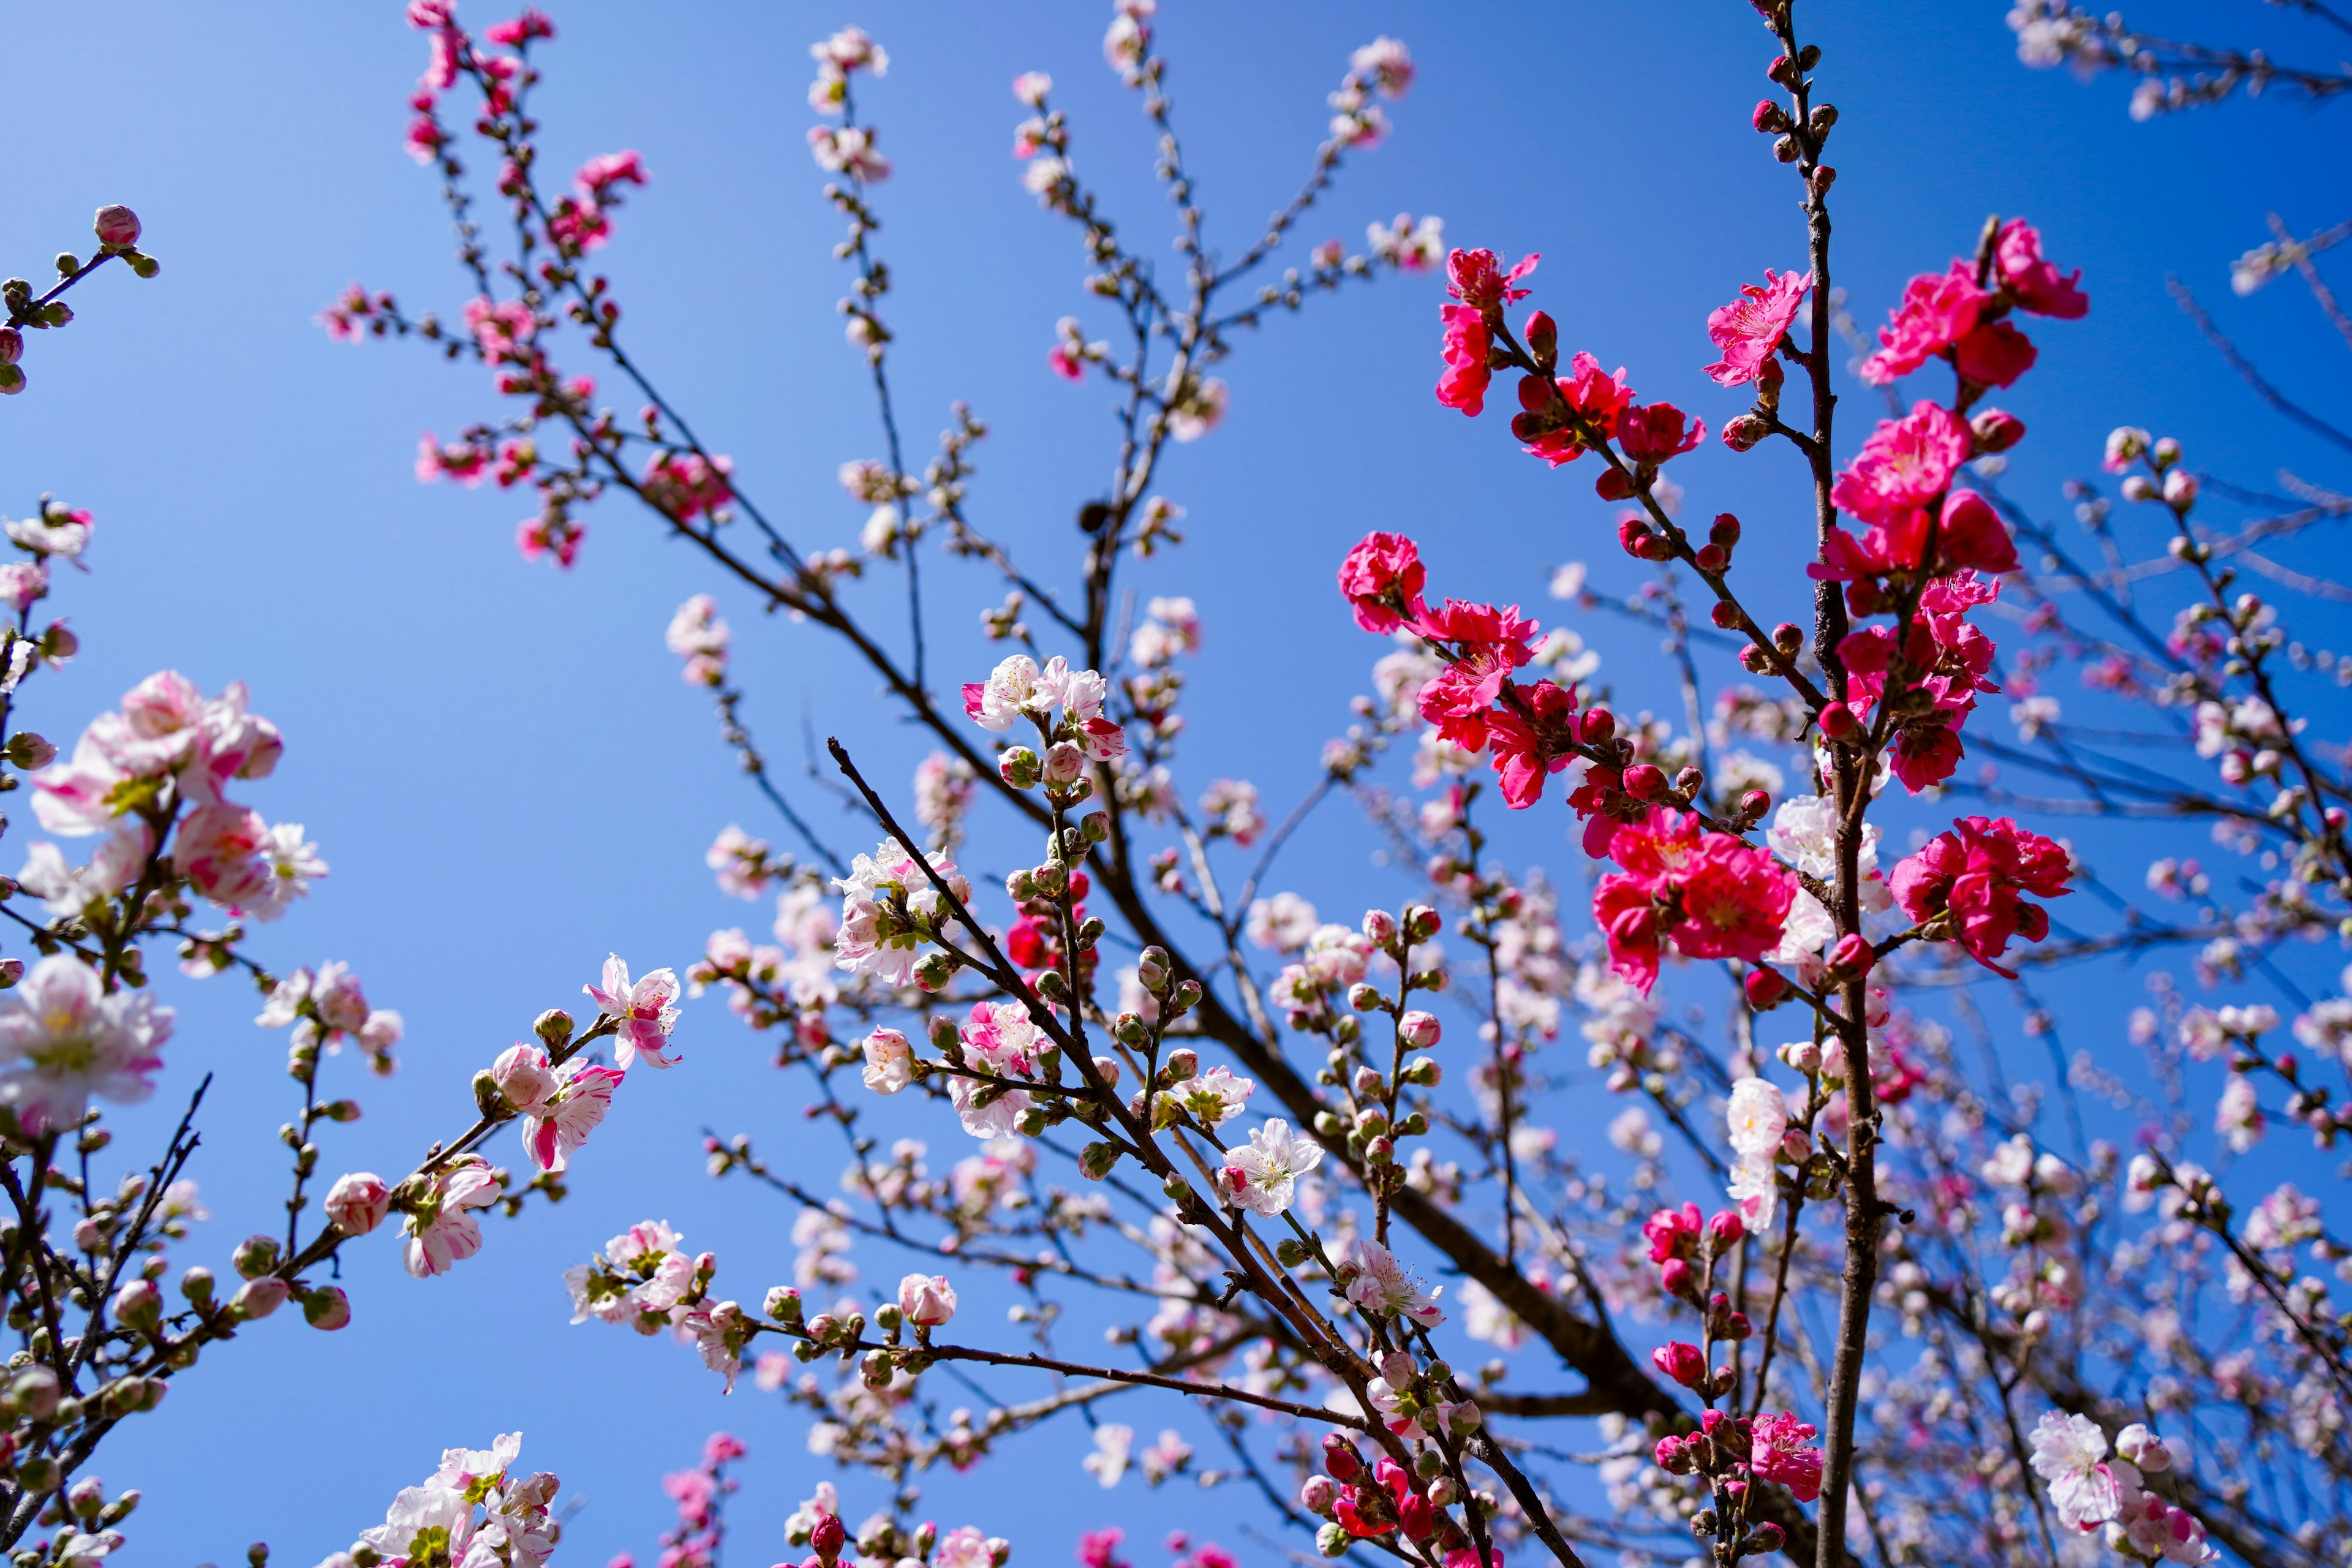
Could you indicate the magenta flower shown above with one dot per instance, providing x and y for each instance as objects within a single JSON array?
[
  {"x": 1994, "y": 354},
  {"x": 646, "y": 1012},
  {"x": 1654, "y": 432},
  {"x": 1904, "y": 465},
  {"x": 1939, "y": 310},
  {"x": 1975, "y": 873},
  {"x": 1382, "y": 578},
  {"x": 2034, "y": 283},
  {"x": 1751, "y": 329},
  {"x": 1781, "y": 1454},
  {"x": 1680, "y": 1361}
]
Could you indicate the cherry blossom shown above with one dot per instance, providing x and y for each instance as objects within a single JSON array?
[
  {"x": 1751, "y": 329},
  {"x": 1381, "y": 1284},
  {"x": 436, "y": 1224},
  {"x": 1261, "y": 1175},
  {"x": 63, "y": 1039}
]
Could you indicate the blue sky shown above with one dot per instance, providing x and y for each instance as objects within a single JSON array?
[{"x": 499, "y": 761}]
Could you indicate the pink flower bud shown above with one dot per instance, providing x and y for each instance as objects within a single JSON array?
[
  {"x": 1419, "y": 1030},
  {"x": 1380, "y": 927},
  {"x": 116, "y": 226},
  {"x": 1851, "y": 957},
  {"x": 259, "y": 1298},
  {"x": 1681, "y": 1363},
  {"x": 327, "y": 1308},
  {"x": 358, "y": 1202},
  {"x": 1064, "y": 763},
  {"x": 1743, "y": 432},
  {"x": 138, "y": 1304},
  {"x": 1997, "y": 430},
  {"x": 928, "y": 1300},
  {"x": 1318, "y": 1494},
  {"x": 1725, "y": 1229},
  {"x": 829, "y": 1537},
  {"x": 1675, "y": 1278},
  {"x": 1340, "y": 1457},
  {"x": 523, "y": 1077},
  {"x": 11, "y": 345},
  {"x": 1673, "y": 1453},
  {"x": 1644, "y": 781},
  {"x": 1837, "y": 721}
]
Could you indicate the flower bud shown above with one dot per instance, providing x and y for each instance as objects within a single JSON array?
[
  {"x": 1019, "y": 767},
  {"x": 927, "y": 1299},
  {"x": 1341, "y": 1459},
  {"x": 1332, "y": 1539},
  {"x": 327, "y": 1308},
  {"x": 116, "y": 226},
  {"x": 138, "y": 1305},
  {"x": 1744, "y": 432},
  {"x": 255, "y": 1256},
  {"x": 1837, "y": 721},
  {"x": 783, "y": 1304},
  {"x": 11, "y": 345},
  {"x": 196, "y": 1285},
  {"x": 1151, "y": 969},
  {"x": 554, "y": 1026},
  {"x": 1097, "y": 1161},
  {"x": 1064, "y": 763},
  {"x": 259, "y": 1298},
  {"x": 1320, "y": 1495},
  {"x": 28, "y": 750},
  {"x": 1853, "y": 957},
  {"x": 829, "y": 1537},
  {"x": 1644, "y": 781},
  {"x": 1543, "y": 339},
  {"x": 2179, "y": 489},
  {"x": 358, "y": 1202},
  {"x": 1997, "y": 430},
  {"x": 1681, "y": 1363},
  {"x": 31, "y": 1394},
  {"x": 1419, "y": 1030},
  {"x": 1182, "y": 1063}
]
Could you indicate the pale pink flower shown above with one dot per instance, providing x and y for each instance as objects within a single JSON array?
[
  {"x": 889, "y": 1061},
  {"x": 439, "y": 1231},
  {"x": 560, "y": 1105},
  {"x": 645, "y": 1011},
  {"x": 2068, "y": 1451},
  {"x": 1381, "y": 1285},
  {"x": 220, "y": 850},
  {"x": 1261, "y": 1175},
  {"x": 63, "y": 1039},
  {"x": 1030, "y": 87},
  {"x": 927, "y": 1299}
]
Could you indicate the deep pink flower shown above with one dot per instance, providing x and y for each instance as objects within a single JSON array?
[
  {"x": 1976, "y": 872},
  {"x": 1969, "y": 538},
  {"x": 531, "y": 24},
  {"x": 1673, "y": 1233},
  {"x": 1994, "y": 354},
  {"x": 1780, "y": 1452},
  {"x": 1065, "y": 362},
  {"x": 599, "y": 174},
  {"x": 2034, "y": 283},
  {"x": 1463, "y": 383},
  {"x": 1099, "y": 1548},
  {"x": 1945, "y": 655},
  {"x": 1937, "y": 310},
  {"x": 1924, "y": 755},
  {"x": 1476, "y": 277},
  {"x": 1595, "y": 396},
  {"x": 1627, "y": 918},
  {"x": 1382, "y": 578},
  {"x": 1750, "y": 329},
  {"x": 1526, "y": 754},
  {"x": 685, "y": 485},
  {"x": 1654, "y": 432},
  {"x": 1904, "y": 464},
  {"x": 1680, "y": 1361},
  {"x": 1735, "y": 901}
]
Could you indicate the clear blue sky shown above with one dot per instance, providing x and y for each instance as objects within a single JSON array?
[{"x": 499, "y": 761}]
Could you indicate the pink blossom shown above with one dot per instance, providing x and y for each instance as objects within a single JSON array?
[
  {"x": 1994, "y": 354},
  {"x": 531, "y": 24},
  {"x": 599, "y": 174},
  {"x": 1478, "y": 280},
  {"x": 440, "y": 1231},
  {"x": 1976, "y": 872},
  {"x": 1781, "y": 1452},
  {"x": 1751, "y": 329},
  {"x": 220, "y": 850},
  {"x": 2034, "y": 283},
  {"x": 687, "y": 485},
  {"x": 1594, "y": 401},
  {"x": 1030, "y": 87},
  {"x": 1382, "y": 578},
  {"x": 1938, "y": 309},
  {"x": 1463, "y": 344},
  {"x": 64, "y": 1038},
  {"x": 644, "y": 1010},
  {"x": 927, "y": 1299},
  {"x": 1654, "y": 432},
  {"x": 1680, "y": 1361},
  {"x": 1528, "y": 750},
  {"x": 1735, "y": 901},
  {"x": 1904, "y": 465},
  {"x": 560, "y": 1105}
]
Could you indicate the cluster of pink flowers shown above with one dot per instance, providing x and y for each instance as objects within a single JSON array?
[
  {"x": 1975, "y": 875},
  {"x": 473, "y": 1508},
  {"x": 1953, "y": 314},
  {"x": 1707, "y": 893},
  {"x": 2090, "y": 1491},
  {"x": 134, "y": 773}
]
